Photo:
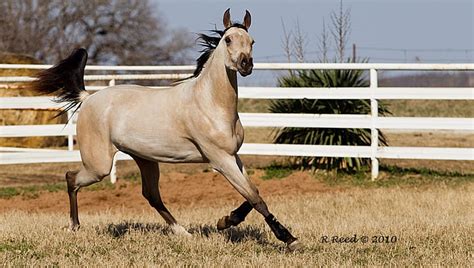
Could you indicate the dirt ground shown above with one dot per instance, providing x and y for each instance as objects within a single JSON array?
[
  {"x": 178, "y": 189},
  {"x": 197, "y": 184}
]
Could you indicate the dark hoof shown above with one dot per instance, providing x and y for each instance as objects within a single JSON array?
[{"x": 223, "y": 223}]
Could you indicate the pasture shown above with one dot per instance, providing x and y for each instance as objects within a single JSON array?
[
  {"x": 411, "y": 206},
  {"x": 417, "y": 212},
  {"x": 428, "y": 213}
]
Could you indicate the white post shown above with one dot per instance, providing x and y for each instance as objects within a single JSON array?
[
  {"x": 374, "y": 137},
  {"x": 113, "y": 171},
  {"x": 70, "y": 137}
]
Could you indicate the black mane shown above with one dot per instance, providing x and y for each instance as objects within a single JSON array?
[{"x": 209, "y": 43}]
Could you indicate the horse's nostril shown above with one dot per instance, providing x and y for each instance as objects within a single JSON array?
[{"x": 244, "y": 62}]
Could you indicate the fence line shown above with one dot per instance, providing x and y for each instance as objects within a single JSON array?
[
  {"x": 273, "y": 66},
  {"x": 369, "y": 121},
  {"x": 282, "y": 120}
]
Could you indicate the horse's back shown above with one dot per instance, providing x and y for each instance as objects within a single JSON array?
[
  {"x": 114, "y": 98},
  {"x": 122, "y": 106}
]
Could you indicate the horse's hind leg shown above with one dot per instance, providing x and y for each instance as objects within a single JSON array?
[
  {"x": 150, "y": 173},
  {"x": 72, "y": 192},
  {"x": 93, "y": 170}
]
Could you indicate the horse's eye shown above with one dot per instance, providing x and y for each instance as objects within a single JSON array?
[
  {"x": 253, "y": 42},
  {"x": 227, "y": 40}
]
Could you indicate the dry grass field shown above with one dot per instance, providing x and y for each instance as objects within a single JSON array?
[
  {"x": 415, "y": 219},
  {"x": 433, "y": 226}
]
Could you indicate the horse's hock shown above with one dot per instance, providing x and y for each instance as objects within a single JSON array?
[{"x": 22, "y": 116}]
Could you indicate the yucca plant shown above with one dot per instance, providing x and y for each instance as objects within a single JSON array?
[{"x": 326, "y": 136}]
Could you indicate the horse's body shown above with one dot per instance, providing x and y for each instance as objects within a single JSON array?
[{"x": 194, "y": 121}]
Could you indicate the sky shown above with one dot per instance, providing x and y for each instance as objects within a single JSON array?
[{"x": 383, "y": 30}]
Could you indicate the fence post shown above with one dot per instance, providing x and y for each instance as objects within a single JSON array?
[
  {"x": 113, "y": 171},
  {"x": 70, "y": 137},
  {"x": 374, "y": 133}
]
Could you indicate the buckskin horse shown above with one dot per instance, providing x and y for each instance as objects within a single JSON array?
[{"x": 195, "y": 121}]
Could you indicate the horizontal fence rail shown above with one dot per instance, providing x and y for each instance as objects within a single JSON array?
[
  {"x": 106, "y": 77},
  {"x": 370, "y": 121},
  {"x": 281, "y": 120},
  {"x": 392, "y": 93},
  {"x": 54, "y": 156}
]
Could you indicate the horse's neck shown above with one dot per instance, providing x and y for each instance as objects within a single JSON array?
[{"x": 218, "y": 83}]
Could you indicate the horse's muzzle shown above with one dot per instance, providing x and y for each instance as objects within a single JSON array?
[
  {"x": 246, "y": 72},
  {"x": 246, "y": 66}
]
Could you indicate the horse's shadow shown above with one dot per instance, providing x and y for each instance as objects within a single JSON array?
[{"x": 237, "y": 234}]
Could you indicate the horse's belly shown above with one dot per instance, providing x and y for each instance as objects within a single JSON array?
[{"x": 176, "y": 150}]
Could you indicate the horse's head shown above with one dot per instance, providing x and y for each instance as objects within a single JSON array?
[{"x": 238, "y": 43}]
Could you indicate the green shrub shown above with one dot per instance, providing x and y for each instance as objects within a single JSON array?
[{"x": 326, "y": 136}]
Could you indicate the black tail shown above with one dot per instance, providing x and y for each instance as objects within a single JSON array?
[{"x": 66, "y": 80}]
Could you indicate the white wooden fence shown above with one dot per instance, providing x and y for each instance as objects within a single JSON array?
[{"x": 369, "y": 121}]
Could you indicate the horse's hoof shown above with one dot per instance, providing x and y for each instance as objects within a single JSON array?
[
  {"x": 179, "y": 230},
  {"x": 295, "y": 245},
  {"x": 223, "y": 223},
  {"x": 73, "y": 228}
]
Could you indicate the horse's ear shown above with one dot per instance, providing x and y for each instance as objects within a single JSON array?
[
  {"x": 226, "y": 19},
  {"x": 247, "y": 19}
]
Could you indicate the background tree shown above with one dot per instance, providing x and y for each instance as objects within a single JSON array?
[
  {"x": 294, "y": 46},
  {"x": 341, "y": 30},
  {"x": 113, "y": 31}
]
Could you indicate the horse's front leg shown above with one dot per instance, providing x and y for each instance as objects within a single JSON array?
[
  {"x": 228, "y": 165},
  {"x": 238, "y": 215}
]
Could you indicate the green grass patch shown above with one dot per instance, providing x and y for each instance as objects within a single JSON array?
[
  {"x": 33, "y": 191},
  {"x": 277, "y": 171},
  {"x": 103, "y": 185},
  {"x": 25, "y": 191},
  {"x": 53, "y": 187},
  {"x": 423, "y": 171},
  {"x": 8, "y": 192},
  {"x": 132, "y": 177},
  {"x": 392, "y": 176},
  {"x": 389, "y": 176}
]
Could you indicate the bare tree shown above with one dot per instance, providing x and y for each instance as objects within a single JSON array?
[
  {"x": 113, "y": 31},
  {"x": 294, "y": 42},
  {"x": 341, "y": 28},
  {"x": 324, "y": 43},
  {"x": 286, "y": 41},
  {"x": 299, "y": 42}
]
